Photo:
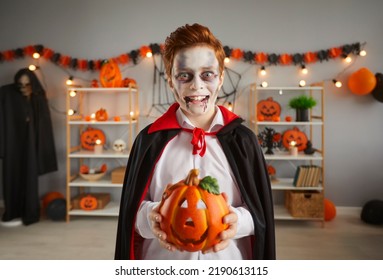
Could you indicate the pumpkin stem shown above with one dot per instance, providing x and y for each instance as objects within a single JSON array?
[{"x": 192, "y": 178}]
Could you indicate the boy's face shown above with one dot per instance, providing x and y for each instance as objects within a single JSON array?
[{"x": 196, "y": 80}]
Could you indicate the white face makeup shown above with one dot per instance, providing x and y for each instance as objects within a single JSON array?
[{"x": 196, "y": 80}]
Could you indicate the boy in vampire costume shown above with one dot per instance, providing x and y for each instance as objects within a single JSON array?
[
  {"x": 27, "y": 146},
  {"x": 196, "y": 133}
]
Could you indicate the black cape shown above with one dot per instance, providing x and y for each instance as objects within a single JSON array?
[
  {"x": 249, "y": 168},
  {"x": 27, "y": 150}
]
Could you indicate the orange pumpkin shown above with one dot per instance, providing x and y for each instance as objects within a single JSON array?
[
  {"x": 89, "y": 136},
  {"x": 110, "y": 75},
  {"x": 296, "y": 135},
  {"x": 288, "y": 118},
  {"x": 192, "y": 212},
  {"x": 101, "y": 115},
  {"x": 88, "y": 202},
  {"x": 269, "y": 109},
  {"x": 329, "y": 210},
  {"x": 362, "y": 81},
  {"x": 128, "y": 82},
  {"x": 271, "y": 170}
]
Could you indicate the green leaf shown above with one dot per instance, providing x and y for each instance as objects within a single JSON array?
[{"x": 210, "y": 185}]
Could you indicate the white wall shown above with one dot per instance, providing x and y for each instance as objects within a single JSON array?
[{"x": 102, "y": 29}]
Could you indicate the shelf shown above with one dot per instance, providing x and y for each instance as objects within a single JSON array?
[
  {"x": 287, "y": 184},
  {"x": 287, "y": 156},
  {"x": 281, "y": 213},
  {"x": 289, "y": 123},
  {"x": 104, "y": 154},
  {"x": 103, "y": 182},
  {"x": 111, "y": 209},
  {"x": 291, "y": 88},
  {"x": 102, "y": 123},
  {"x": 102, "y": 89}
]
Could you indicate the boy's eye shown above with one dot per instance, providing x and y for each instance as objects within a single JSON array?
[
  {"x": 184, "y": 77},
  {"x": 208, "y": 76}
]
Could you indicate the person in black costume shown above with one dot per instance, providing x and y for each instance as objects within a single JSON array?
[
  {"x": 196, "y": 133},
  {"x": 27, "y": 146}
]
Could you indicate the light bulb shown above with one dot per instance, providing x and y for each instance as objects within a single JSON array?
[
  {"x": 230, "y": 106},
  {"x": 337, "y": 83},
  {"x": 69, "y": 81},
  {"x": 263, "y": 71},
  {"x": 36, "y": 55},
  {"x": 70, "y": 112},
  {"x": 362, "y": 53},
  {"x": 264, "y": 84},
  {"x": 149, "y": 54},
  {"x": 226, "y": 60},
  {"x": 348, "y": 59},
  {"x": 302, "y": 83},
  {"x": 304, "y": 70},
  {"x": 72, "y": 93},
  {"x": 32, "y": 67}
]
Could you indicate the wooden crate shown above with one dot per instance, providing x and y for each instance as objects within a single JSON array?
[
  {"x": 102, "y": 200},
  {"x": 305, "y": 204},
  {"x": 118, "y": 174}
]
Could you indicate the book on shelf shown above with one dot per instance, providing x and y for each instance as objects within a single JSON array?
[{"x": 307, "y": 176}]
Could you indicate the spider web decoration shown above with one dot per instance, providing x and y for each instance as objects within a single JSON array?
[
  {"x": 229, "y": 88},
  {"x": 162, "y": 96}
]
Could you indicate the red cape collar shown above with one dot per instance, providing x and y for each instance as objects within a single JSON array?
[{"x": 169, "y": 120}]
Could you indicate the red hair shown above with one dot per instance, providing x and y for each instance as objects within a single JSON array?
[{"x": 189, "y": 36}]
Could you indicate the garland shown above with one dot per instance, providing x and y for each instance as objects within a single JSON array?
[{"x": 134, "y": 56}]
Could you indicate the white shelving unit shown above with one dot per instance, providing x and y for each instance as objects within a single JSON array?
[
  {"x": 121, "y": 102},
  {"x": 314, "y": 129}
]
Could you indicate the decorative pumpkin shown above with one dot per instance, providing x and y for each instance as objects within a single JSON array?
[
  {"x": 192, "y": 212},
  {"x": 260, "y": 58},
  {"x": 110, "y": 75},
  {"x": 271, "y": 170},
  {"x": 88, "y": 202},
  {"x": 128, "y": 82},
  {"x": 296, "y": 135},
  {"x": 101, "y": 115},
  {"x": 269, "y": 109},
  {"x": 288, "y": 118},
  {"x": 49, "y": 197},
  {"x": 362, "y": 81},
  {"x": 89, "y": 136},
  {"x": 329, "y": 210},
  {"x": 285, "y": 59}
]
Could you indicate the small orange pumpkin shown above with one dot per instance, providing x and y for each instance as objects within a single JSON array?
[
  {"x": 88, "y": 202},
  {"x": 101, "y": 115},
  {"x": 110, "y": 75},
  {"x": 288, "y": 118},
  {"x": 128, "y": 82},
  {"x": 89, "y": 136},
  {"x": 269, "y": 109},
  {"x": 329, "y": 210},
  {"x": 192, "y": 212},
  {"x": 296, "y": 135}
]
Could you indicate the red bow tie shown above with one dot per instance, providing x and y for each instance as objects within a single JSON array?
[{"x": 198, "y": 140}]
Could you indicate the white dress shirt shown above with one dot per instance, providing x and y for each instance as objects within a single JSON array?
[{"x": 174, "y": 164}]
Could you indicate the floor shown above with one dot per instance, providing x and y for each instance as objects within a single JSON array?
[{"x": 92, "y": 238}]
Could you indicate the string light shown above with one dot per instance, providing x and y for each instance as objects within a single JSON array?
[
  {"x": 69, "y": 82},
  {"x": 263, "y": 71},
  {"x": 337, "y": 83},
  {"x": 362, "y": 53},
  {"x": 348, "y": 59},
  {"x": 36, "y": 55},
  {"x": 72, "y": 93},
  {"x": 32, "y": 67},
  {"x": 230, "y": 106},
  {"x": 149, "y": 54},
  {"x": 227, "y": 59},
  {"x": 304, "y": 70},
  {"x": 264, "y": 84},
  {"x": 71, "y": 112},
  {"x": 302, "y": 83}
]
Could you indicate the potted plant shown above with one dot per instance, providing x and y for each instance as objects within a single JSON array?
[{"x": 302, "y": 104}]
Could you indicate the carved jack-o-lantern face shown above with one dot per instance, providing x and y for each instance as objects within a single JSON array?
[
  {"x": 110, "y": 75},
  {"x": 268, "y": 109},
  {"x": 296, "y": 135},
  {"x": 90, "y": 136},
  {"x": 88, "y": 202},
  {"x": 192, "y": 216}
]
